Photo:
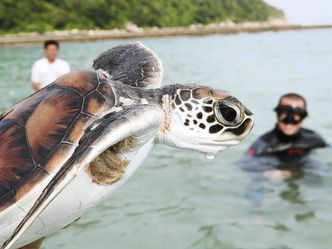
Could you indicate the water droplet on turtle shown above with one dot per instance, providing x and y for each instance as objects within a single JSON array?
[{"x": 210, "y": 156}]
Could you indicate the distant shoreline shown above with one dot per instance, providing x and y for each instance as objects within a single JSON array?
[{"x": 132, "y": 31}]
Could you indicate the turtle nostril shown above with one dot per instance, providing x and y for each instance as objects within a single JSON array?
[
  {"x": 228, "y": 113},
  {"x": 247, "y": 111}
]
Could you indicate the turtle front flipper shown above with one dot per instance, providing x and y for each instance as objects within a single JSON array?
[
  {"x": 131, "y": 122},
  {"x": 133, "y": 64}
]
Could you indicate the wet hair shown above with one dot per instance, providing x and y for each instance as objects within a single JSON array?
[
  {"x": 51, "y": 42},
  {"x": 293, "y": 96}
]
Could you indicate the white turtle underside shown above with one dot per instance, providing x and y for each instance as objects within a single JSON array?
[{"x": 81, "y": 193}]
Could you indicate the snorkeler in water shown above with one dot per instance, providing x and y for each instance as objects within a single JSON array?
[
  {"x": 288, "y": 138},
  {"x": 288, "y": 141}
]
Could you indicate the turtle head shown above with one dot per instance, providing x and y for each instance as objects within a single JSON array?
[{"x": 203, "y": 119}]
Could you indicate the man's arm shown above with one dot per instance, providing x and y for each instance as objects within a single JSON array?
[
  {"x": 36, "y": 86},
  {"x": 35, "y": 76},
  {"x": 258, "y": 148}
]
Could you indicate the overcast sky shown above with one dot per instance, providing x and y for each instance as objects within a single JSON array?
[{"x": 305, "y": 11}]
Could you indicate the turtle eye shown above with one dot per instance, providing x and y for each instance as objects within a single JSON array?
[{"x": 228, "y": 114}]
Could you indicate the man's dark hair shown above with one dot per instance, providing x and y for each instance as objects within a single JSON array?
[
  {"x": 293, "y": 96},
  {"x": 51, "y": 42}
]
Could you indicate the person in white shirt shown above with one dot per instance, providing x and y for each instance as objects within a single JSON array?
[{"x": 44, "y": 71}]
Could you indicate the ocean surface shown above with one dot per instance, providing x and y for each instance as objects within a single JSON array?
[{"x": 178, "y": 199}]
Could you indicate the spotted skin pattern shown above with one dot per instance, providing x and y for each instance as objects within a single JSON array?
[{"x": 195, "y": 107}]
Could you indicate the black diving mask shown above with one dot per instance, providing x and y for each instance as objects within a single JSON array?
[{"x": 290, "y": 115}]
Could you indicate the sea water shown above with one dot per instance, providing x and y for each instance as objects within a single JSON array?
[{"x": 178, "y": 199}]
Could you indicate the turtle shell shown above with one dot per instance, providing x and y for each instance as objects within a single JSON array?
[{"x": 41, "y": 132}]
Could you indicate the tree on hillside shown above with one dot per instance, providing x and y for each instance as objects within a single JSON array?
[{"x": 46, "y": 15}]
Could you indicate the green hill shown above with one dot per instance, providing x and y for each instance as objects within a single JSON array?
[{"x": 47, "y": 15}]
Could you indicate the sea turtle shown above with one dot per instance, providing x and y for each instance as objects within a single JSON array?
[{"x": 65, "y": 148}]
